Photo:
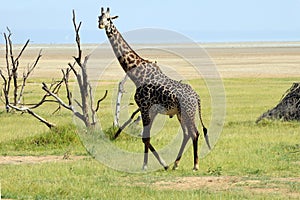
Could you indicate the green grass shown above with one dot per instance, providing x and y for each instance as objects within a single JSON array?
[
  {"x": 56, "y": 141},
  {"x": 264, "y": 157},
  {"x": 87, "y": 179}
]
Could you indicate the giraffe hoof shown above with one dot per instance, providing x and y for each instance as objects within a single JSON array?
[
  {"x": 195, "y": 169},
  {"x": 175, "y": 166},
  {"x": 166, "y": 167},
  {"x": 144, "y": 168}
]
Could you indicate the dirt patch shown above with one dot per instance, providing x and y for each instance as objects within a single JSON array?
[
  {"x": 37, "y": 159},
  {"x": 278, "y": 186},
  {"x": 190, "y": 183}
]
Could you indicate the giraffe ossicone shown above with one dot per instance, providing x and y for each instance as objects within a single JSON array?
[{"x": 156, "y": 93}]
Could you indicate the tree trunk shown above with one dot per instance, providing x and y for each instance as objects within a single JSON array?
[{"x": 118, "y": 101}]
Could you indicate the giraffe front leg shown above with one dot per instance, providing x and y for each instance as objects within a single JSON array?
[
  {"x": 145, "y": 164},
  {"x": 146, "y": 141},
  {"x": 160, "y": 160},
  {"x": 148, "y": 117},
  {"x": 148, "y": 146},
  {"x": 147, "y": 122}
]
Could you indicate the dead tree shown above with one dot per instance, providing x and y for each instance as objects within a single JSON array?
[
  {"x": 288, "y": 109},
  {"x": 121, "y": 91},
  {"x": 88, "y": 112},
  {"x": 12, "y": 81}
]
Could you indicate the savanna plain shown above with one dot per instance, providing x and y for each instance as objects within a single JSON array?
[{"x": 248, "y": 161}]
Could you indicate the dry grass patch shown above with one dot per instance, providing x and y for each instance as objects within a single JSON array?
[
  {"x": 38, "y": 159},
  {"x": 273, "y": 186}
]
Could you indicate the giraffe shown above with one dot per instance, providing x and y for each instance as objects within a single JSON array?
[{"x": 156, "y": 93}]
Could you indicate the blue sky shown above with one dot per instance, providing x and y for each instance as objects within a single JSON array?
[{"x": 50, "y": 21}]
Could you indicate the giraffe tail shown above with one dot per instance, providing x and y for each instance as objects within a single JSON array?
[{"x": 203, "y": 126}]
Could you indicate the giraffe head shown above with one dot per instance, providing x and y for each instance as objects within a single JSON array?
[{"x": 105, "y": 19}]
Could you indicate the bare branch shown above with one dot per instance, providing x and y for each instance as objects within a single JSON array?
[
  {"x": 78, "y": 103},
  {"x": 41, "y": 102},
  {"x": 6, "y": 88},
  {"x": 6, "y": 54},
  {"x": 4, "y": 79},
  {"x": 26, "y": 75},
  {"x": 62, "y": 103},
  {"x": 25, "y": 109},
  {"x": 76, "y": 28},
  {"x": 57, "y": 109},
  {"x": 99, "y": 101},
  {"x": 73, "y": 69},
  {"x": 22, "y": 50},
  {"x": 54, "y": 87},
  {"x": 10, "y": 49},
  {"x": 5, "y": 91},
  {"x": 91, "y": 104},
  {"x": 66, "y": 80}
]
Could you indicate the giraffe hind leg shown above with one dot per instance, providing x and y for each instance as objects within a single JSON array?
[
  {"x": 183, "y": 144},
  {"x": 195, "y": 148},
  {"x": 184, "y": 140}
]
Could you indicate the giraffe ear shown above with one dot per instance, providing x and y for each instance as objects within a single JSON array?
[{"x": 114, "y": 17}]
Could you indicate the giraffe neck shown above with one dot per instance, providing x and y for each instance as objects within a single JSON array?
[{"x": 127, "y": 57}]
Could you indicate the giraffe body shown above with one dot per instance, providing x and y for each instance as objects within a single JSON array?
[{"x": 156, "y": 93}]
